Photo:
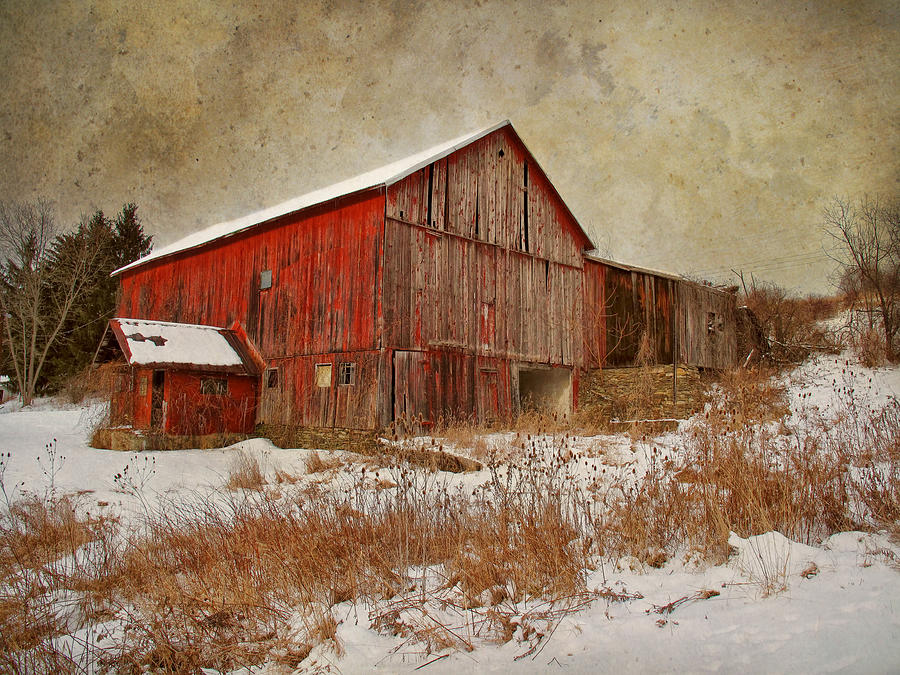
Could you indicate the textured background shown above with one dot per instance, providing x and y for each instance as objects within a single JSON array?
[{"x": 692, "y": 137}]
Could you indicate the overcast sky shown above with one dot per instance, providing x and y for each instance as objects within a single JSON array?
[{"x": 689, "y": 137}]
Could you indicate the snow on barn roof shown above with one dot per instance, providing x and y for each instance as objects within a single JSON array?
[
  {"x": 386, "y": 175},
  {"x": 188, "y": 346}
]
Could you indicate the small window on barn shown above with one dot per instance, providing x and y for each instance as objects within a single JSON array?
[
  {"x": 272, "y": 378},
  {"x": 265, "y": 280},
  {"x": 323, "y": 374},
  {"x": 710, "y": 323},
  {"x": 214, "y": 386},
  {"x": 123, "y": 381},
  {"x": 142, "y": 386},
  {"x": 347, "y": 374}
]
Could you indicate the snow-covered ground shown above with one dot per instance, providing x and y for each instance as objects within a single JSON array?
[{"x": 775, "y": 606}]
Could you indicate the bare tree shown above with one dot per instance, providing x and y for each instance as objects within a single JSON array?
[
  {"x": 38, "y": 289},
  {"x": 867, "y": 234}
]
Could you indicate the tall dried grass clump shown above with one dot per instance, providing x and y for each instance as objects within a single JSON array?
[
  {"x": 93, "y": 382},
  {"x": 868, "y": 345},
  {"x": 743, "y": 469},
  {"x": 49, "y": 551},
  {"x": 245, "y": 473},
  {"x": 747, "y": 396}
]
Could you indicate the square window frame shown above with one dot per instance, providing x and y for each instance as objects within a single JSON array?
[
  {"x": 214, "y": 386},
  {"x": 347, "y": 374}
]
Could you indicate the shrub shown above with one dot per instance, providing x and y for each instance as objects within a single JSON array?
[{"x": 792, "y": 325}]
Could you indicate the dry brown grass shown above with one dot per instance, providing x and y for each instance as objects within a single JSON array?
[
  {"x": 39, "y": 539},
  {"x": 748, "y": 396},
  {"x": 737, "y": 472},
  {"x": 97, "y": 382},
  {"x": 245, "y": 473},
  {"x": 217, "y": 583},
  {"x": 868, "y": 344},
  {"x": 36, "y": 532},
  {"x": 241, "y": 577},
  {"x": 316, "y": 464}
]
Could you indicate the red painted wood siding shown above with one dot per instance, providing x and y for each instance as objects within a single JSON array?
[
  {"x": 188, "y": 411},
  {"x": 440, "y": 385},
  {"x": 143, "y": 395},
  {"x": 297, "y": 399},
  {"x": 324, "y": 265},
  {"x": 191, "y": 412}
]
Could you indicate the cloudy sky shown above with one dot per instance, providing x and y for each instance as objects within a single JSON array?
[{"x": 689, "y": 137}]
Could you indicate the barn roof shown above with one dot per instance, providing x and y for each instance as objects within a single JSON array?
[
  {"x": 647, "y": 270},
  {"x": 386, "y": 175},
  {"x": 161, "y": 344}
]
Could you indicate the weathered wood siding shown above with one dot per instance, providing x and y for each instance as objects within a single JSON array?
[
  {"x": 483, "y": 268},
  {"x": 188, "y": 411},
  {"x": 443, "y": 291},
  {"x": 297, "y": 399},
  {"x": 491, "y": 191},
  {"x": 622, "y": 305},
  {"x": 707, "y": 325},
  {"x": 436, "y": 385}
]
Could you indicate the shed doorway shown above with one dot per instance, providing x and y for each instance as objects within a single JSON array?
[
  {"x": 545, "y": 389},
  {"x": 157, "y": 400}
]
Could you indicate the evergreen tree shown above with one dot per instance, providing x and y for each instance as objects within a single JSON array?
[{"x": 119, "y": 241}]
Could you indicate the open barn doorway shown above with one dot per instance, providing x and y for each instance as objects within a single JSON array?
[{"x": 545, "y": 389}]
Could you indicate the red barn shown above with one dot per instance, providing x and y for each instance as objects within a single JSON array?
[{"x": 452, "y": 283}]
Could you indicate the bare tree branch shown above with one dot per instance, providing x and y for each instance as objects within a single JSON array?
[
  {"x": 38, "y": 286},
  {"x": 867, "y": 245}
]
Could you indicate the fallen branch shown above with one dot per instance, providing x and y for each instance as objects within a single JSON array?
[
  {"x": 669, "y": 608},
  {"x": 442, "y": 656}
]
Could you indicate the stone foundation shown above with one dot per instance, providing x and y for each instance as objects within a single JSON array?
[
  {"x": 641, "y": 392},
  {"x": 133, "y": 440},
  {"x": 362, "y": 441}
]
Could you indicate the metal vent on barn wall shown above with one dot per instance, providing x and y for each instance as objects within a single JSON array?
[{"x": 265, "y": 280}]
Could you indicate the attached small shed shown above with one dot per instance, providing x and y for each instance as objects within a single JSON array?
[{"x": 184, "y": 379}]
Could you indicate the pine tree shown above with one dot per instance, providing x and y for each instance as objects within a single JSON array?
[{"x": 120, "y": 241}]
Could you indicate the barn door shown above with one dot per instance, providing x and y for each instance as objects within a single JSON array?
[
  {"x": 488, "y": 396},
  {"x": 410, "y": 403},
  {"x": 273, "y": 407}
]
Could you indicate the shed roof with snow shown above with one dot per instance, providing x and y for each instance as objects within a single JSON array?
[{"x": 162, "y": 344}]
